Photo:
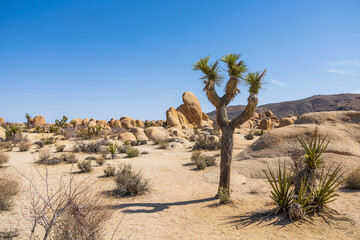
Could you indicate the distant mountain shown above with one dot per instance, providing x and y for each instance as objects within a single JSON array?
[{"x": 317, "y": 103}]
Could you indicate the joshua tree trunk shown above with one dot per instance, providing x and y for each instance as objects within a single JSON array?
[
  {"x": 226, "y": 157},
  {"x": 227, "y": 139}
]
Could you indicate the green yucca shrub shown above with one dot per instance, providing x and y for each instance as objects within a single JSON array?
[
  {"x": 325, "y": 192},
  {"x": 281, "y": 187},
  {"x": 112, "y": 148}
]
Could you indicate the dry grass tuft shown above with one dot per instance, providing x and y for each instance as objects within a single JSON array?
[
  {"x": 129, "y": 182},
  {"x": 4, "y": 158},
  {"x": 353, "y": 180}
]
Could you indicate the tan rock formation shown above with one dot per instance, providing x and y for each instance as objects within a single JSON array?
[{"x": 38, "y": 121}]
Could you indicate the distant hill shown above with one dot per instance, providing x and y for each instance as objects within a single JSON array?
[{"x": 317, "y": 103}]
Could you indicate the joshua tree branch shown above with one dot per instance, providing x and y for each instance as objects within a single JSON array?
[{"x": 247, "y": 113}]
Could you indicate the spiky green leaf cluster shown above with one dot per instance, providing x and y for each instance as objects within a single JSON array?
[
  {"x": 280, "y": 184},
  {"x": 314, "y": 148},
  {"x": 255, "y": 81},
  {"x": 211, "y": 73},
  {"x": 235, "y": 69},
  {"x": 325, "y": 192}
]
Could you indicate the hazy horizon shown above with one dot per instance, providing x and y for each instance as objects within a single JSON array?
[{"x": 108, "y": 59}]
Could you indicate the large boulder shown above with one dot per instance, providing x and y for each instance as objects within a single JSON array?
[
  {"x": 156, "y": 133},
  {"x": 127, "y": 122},
  {"x": 139, "y": 123},
  {"x": 341, "y": 128},
  {"x": 92, "y": 123},
  {"x": 127, "y": 136},
  {"x": 101, "y": 123},
  {"x": 191, "y": 109},
  {"x": 247, "y": 124},
  {"x": 285, "y": 122},
  {"x": 85, "y": 122},
  {"x": 265, "y": 124},
  {"x": 76, "y": 121},
  {"x": 172, "y": 118},
  {"x": 2, "y": 121},
  {"x": 139, "y": 133},
  {"x": 111, "y": 122},
  {"x": 2, "y": 133},
  {"x": 38, "y": 121}
]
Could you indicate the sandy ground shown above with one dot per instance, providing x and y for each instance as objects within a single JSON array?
[{"x": 181, "y": 203}]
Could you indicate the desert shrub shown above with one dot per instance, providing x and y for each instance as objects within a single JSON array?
[
  {"x": 129, "y": 182},
  {"x": 127, "y": 143},
  {"x": 144, "y": 152},
  {"x": 109, "y": 171},
  {"x": 4, "y": 158},
  {"x": 68, "y": 158},
  {"x": 202, "y": 161},
  {"x": 195, "y": 156},
  {"x": 163, "y": 144},
  {"x": 204, "y": 143},
  {"x": 90, "y": 158},
  {"x": 85, "y": 166},
  {"x": 6, "y": 145},
  {"x": 224, "y": 196},
  {"x": 353, "y": 180},
  {"x": 46, "y": 158},
  {"x": 91, "y": 147},
  {"x": 132, "y": 152},
  {"x": 112, "y": 148},
  {"x": 210, "y": 161},
  {"x": 12, "y": 132},
  {"x": 249, "y": 136},
  {"x": 60, "y": 148},
  {"x": 123, "y": 148},
  {"x": 40, "y": 144},
  {"x": 8, "y": 188},
  {"x": 201, "y": 164},
  {"x": 49, "y": 140},
  {"x": 259, "y": 133},
  {"x": 100, "y": 160},
  {"x": 24, "y": 146}
]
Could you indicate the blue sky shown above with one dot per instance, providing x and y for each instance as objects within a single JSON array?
[{"x": 107, "y": 59}]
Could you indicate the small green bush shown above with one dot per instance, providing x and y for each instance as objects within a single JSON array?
[
  {"x": 201, "y": 164},
  {"x": 204, "y": 143},
  {"x": 85, "y": 166},
  {"x": 249, "y": 136},
  {"x": 40, "y": 144},
  {"x": 68, "y": 158},
  {"x": 132, "y": 152},
  {"x": 90, "y": 158}
]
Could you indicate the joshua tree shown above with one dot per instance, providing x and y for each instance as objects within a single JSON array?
[
  {"x": 236, "y": 70},
  {"x": 28, "y": 120}
]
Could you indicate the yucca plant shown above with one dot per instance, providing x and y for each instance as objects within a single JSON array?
[
  {"x": 61, "y": 123},
  {"x": 112, "y": 148},
  {"x": 28, "y": 120},
  {"x": 314, "y": 148},
  {"x": 325, "y": 192},
  {"x": 301, "y": 204},
  {"x": 280, "y": 184}
]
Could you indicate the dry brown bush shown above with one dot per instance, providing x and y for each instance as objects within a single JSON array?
[
  {"x": 9, "y": 187},
  {"x": 353, "y": 180},
  {"x": 24, "y": 146},
  {"x": 4, "y": 158}
]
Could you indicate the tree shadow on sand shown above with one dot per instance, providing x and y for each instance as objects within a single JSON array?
[
  {"x": 257, "y": 218},
  {"x": 157, "y": 207}
]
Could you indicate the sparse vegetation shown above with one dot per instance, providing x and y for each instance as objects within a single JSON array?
[
  {"x": 163, "y": 144},
  {"x": 61, "y": 123},
  {"x": 109, "y": 171},
  {"x": 6, "y": 145},
  {"x": 202, "y": 161},
  {"x": 129, "y": 182},
  {"x": 24, "y": 146},
  {"x": 353, "y": 180},
  {"x": 68, "y": 158},
  {"x": 249, "y": 136},
  {"x": 100, "y": 160},
  {"x": 132, "y": 152},
  {"x": 85, "y": 166},
  {"x": 112, "y": 148},
  {"x": 4, "y": 158},
  {"x": 204, "y": 143},
  {"x": 91, "y": 147},
  {"x": 60, "y": 148},
  {"x": 40, "y": 144},
  {"x": 8, "y": 188}
]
